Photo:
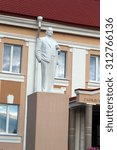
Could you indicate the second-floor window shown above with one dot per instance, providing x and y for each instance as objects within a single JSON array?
[
  {"x": 95, "y": 68},
  {"x": 12, "y": 58},
  {"x": 61, "y": 65}
]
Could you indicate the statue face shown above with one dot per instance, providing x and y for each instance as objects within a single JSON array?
[{"x": 49, "y": 32}]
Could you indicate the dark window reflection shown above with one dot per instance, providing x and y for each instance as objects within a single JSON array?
[
  {"x": 16, "y": 66},
  {"x": 93, "y": 68},
  {"x": 13, "y": 117},
  {"x": 3, "y": 116},
  {"x": 6, "y": 58}
]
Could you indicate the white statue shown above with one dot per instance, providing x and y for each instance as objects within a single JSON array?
[{"x": 47, "y": 54}]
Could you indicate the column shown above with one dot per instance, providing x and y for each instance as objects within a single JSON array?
[
  {"x": 82, "y": 129},
  {"x": 88, "y": 126},
  {"x": 71, "y": 145}
]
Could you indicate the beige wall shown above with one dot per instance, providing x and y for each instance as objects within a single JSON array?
[
  {"x": 18, "y": 89},
  {"x": 64, "y": 37},
  {"x": 10, "y": 87},
  {"x": 10, "y": 146},
  {"x": 52, "y": 113}
]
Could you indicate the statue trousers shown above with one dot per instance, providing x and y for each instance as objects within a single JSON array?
[{"x": 48, "y": 74}]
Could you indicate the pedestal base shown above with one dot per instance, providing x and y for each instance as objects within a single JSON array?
[{"x": 47, "y": 124}]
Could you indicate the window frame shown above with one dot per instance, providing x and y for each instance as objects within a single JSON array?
[
  {"x": 97, "y": 70},
  {"x": 11, "y": 59},
  {"x": 7, "y": 119}
]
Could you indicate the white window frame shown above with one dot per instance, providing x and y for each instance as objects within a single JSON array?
[
  {"x": 97, "y": 69},
  {"x": 11, "y": 59},
  {"x": 7, "y": 121}
]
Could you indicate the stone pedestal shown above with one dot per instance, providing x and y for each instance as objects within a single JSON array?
[{"x": 47, "y": 121}]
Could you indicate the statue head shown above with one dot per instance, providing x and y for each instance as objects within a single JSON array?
[{"x": 49, "y": 31}]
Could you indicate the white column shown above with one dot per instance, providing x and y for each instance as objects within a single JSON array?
[
  {"x": 78, "y": 69},
  {"x": 88, "y": 126},
  {"x": 31, "y": 67}
]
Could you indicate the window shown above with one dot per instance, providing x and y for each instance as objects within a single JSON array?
[
  {"x": 12, "y": 58},
  {"x": 95, "y": 68},
  {"x": 8, "y": 119},
  {"x": 61, "y": 65}
]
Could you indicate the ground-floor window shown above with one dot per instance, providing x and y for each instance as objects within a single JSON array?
[{"x": 8, "y": 119}]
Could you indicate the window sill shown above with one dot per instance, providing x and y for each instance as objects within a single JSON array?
[
  {"x": 11, "y": 77},
  {"x": 93, "y": 84},
  {"x": 61, "y": 81},
  {"x": 10, "y": 138}
]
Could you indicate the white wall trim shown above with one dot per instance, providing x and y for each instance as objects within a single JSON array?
[
  {"x": 17, "y": 36},
  {"x": 61, "y": 82},
  {"x": 59, "y": 90},
  {"x": 30, "y": 23},
  {"x": 11, "y": 77},
  {"x": 92, "y": 84},
  {"x": 10, "y": 139},
  {"x": 79, "y": 45},
  {"x": 61, "y": 42}
]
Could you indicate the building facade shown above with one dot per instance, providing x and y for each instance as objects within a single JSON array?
[{"x": 77, "y": 69}]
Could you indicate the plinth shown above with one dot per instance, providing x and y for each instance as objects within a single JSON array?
[{"x": 47, "y": 121}]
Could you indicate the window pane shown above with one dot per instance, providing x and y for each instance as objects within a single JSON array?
[
  {"x": 16, "y": 66},
  {"x": 98, "y": 68},
  {"x": 3, "y": 117},
  {"x": 13, "y": 118},
  {"x": 93, "y": 68},
  {"x": 6, "y": 58},
  {"x": 61, "y": 65}
]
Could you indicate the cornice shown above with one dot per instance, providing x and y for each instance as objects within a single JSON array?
[{"x": 30, "y": 23}]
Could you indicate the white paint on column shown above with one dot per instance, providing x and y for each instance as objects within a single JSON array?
[
  {"x": 78, "y": 69},
  {"x": 31, "y": 68}
]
